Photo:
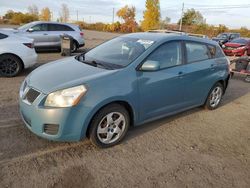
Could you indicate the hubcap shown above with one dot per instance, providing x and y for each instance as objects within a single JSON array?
[
  {"x": 8, "y": 66},
  {"x": 111, "y": 127},
  {"x": 215, "y": 96}
]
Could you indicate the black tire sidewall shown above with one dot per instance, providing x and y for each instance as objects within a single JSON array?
[
  {"x": 19, "y": 65},
  {"x": 74, "y": 46},
  {"x": 207, "y": 104},
  {"x": 99, "y": 116}
]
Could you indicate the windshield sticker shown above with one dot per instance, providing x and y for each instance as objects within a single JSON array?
[{"x": 145, "y": 43}]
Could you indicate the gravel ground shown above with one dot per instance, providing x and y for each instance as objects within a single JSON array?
[{"x": 197, "y": 148}]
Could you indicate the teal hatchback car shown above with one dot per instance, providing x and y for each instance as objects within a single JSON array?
[{"x": 127, "y": 81}]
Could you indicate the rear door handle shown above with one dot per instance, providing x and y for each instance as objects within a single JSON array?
[
  {"x": 45, "y": 33},
  {"x": 180, "y": 74},
  {"x": 213, "y": 66}
]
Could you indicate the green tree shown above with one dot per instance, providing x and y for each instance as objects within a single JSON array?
[
  {"x": 192, "y": 17},
  {"x": 128, "y": 15},
  {"x": 152, "y": 15}
]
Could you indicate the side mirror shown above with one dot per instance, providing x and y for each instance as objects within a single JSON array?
[
  {"x": 150, "y": 65},
  {"x": 30, "y": 30}
]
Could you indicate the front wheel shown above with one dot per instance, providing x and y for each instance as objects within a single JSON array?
[
  {"x": 214, "y": 97},
  {"x": 109, "y": 126}
]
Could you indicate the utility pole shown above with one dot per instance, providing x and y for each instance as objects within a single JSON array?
[
  {"x": 182, "y": 11},
  {"x": 77, "y": 15},
  {"x": 113, "y": 20}
]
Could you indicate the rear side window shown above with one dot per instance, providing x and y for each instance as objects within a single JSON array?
[
  {"x": 40, "y": 27},
  {"x": 197, "y": 52},
  {"x": 59, "y": 27},
  {"x": 3, "y": 36},
  {"x": 168, "y": 55}
]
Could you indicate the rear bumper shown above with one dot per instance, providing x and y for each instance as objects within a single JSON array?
[{"x": 29, "y": 60}]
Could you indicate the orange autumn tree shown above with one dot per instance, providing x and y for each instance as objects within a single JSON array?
[
  {"x": 151, "y": 16},
  {"x": 128, "y": 15}
]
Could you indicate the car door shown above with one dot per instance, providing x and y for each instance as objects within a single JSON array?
[
  {"x": 55, "y": 32},
  {"x": 162, "y": 92},
  {"x": 201, "y": 71},
  {"x": 39, "y": 33}
]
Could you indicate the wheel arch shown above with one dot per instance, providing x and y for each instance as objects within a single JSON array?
[{"x": 124, "y": 103}]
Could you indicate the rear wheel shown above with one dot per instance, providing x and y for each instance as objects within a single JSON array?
[
  {"x": 214, "y": 97},
  {"x": 74, "y": 46},
  {"x": 109, "y": 126},
  {"x": 10, "y": 65},
  {"x": 247, "y": 79}
]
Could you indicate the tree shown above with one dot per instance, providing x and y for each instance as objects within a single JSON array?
[
  {"x": 33, "y": 10},
  {"x": 152, "y": 15},
  {"x": 191, "y": 16},
  {"x": 45, "y": 14},
  {"x": 64, "y": 13},
  {"x": 128, "y": 15},
  {"x": 164, "y": 23}
]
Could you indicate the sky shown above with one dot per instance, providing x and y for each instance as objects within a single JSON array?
[{"x": 227, "y": 12}]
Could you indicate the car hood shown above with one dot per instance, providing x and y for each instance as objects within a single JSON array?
[
  {"x": 63, "y": 74},
  {"x": 229, "y": 44},
  {"x": 9, "y": 30}
]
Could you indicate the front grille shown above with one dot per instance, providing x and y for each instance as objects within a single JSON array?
[
  {"x": 230, "y": 48},
  {"x": 31, "y": 95},
  {"x": 51, "y": 129}
]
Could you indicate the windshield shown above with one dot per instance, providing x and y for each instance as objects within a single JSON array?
[
  {"x": 25, "y": 26},
  {"x": 223, "y": 36},
  {"x": 240, "y": 41},
  {"x": 118, "y": 52}
]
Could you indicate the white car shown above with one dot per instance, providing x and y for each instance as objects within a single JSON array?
[{"x": 16, "y": 53}]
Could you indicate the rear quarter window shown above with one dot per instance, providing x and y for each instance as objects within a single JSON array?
[
  {"x": 3, "y": 36},
  {"x": 219, "y": 52}
]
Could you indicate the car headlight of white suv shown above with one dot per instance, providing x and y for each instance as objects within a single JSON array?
[{"x": 66, "y": 97}]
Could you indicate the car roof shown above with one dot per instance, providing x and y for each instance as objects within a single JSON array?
[
  {"x": 158, "y": 37},
  {"x": 52, "y": 22}
]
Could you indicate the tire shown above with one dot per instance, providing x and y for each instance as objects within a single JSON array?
[
  {"x": 74, "y": 47},
  {"x": 10, "y": 65},
  {"x": 214, "y": 97},
  {"x": 103, "y": 134}
]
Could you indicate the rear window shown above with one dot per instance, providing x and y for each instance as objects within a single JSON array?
[
  {"x": 3, "y": 36},
  {"x": 197, "y": 52},
  {"x": 59, "y": 27}
]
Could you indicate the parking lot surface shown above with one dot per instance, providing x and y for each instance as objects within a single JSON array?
[{"x": 197, "y": 148}]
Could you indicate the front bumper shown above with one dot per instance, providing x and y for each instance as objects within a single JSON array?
[{"x": 70, "y": 121}]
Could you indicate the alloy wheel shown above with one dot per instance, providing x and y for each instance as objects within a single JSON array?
[
  {"x": 215, "y": 96},
  {"x": 9, "y": 66},
  {"x": 111, "y": 127}
]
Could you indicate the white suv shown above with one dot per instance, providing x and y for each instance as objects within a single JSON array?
[{"x": 48, "y": 34}]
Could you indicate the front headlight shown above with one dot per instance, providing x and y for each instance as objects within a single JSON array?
[{"x": 66, "y": 97}]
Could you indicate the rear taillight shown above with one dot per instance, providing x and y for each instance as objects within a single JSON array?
[
  {"x": 82, "y": 34},
  {"x": 29, "y": 45}
]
